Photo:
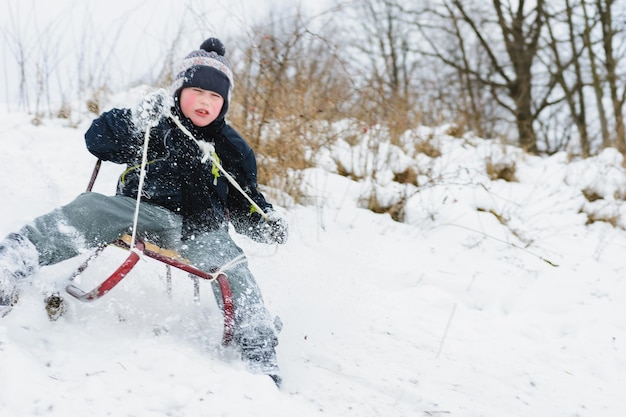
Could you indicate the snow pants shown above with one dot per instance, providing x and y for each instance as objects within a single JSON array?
[{"x": 92, "y": 219}]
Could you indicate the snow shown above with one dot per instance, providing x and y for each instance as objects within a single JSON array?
[{"x": 492, "y": 299}]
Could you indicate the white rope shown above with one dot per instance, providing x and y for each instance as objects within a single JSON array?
[
  {"x": 142, "y": 176},
  {"x": 231, "y": 264},
  {"x": 208, "y": 151}
]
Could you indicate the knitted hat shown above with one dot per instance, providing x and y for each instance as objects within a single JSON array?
[{"x": 206, "y": 68}]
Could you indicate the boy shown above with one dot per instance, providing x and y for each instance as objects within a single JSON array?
[{"x": 186, "y": 201}]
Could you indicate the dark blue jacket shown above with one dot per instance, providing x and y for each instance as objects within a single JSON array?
[{"x": 175, "y": 176}]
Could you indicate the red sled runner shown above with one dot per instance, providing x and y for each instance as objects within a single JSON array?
[{"x": 171, "y": 259}]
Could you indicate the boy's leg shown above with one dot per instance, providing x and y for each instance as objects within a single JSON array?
[
  {"x": 18, "y": 259},
  {"x": 254, "y": 330},
  {"x": 92, "y": 219},
  {"x": 89, "y": 220}
]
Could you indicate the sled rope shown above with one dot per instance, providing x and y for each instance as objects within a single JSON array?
[
  {"x": 209, "y": 151},
  {"x": 231, "y": 264},
  {"x": 142, "y": 176}
]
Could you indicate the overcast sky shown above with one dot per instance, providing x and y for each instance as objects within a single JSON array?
[{"x": 129, "y": 37}]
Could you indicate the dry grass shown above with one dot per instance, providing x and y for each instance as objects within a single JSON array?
[{"x": 501, "y": 171}]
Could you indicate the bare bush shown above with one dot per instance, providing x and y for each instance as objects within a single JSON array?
[
  {"x": 501, "y": 170},
  {"x": 290, "y": 88}
]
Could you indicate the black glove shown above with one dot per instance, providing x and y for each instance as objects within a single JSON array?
[
  {"x": 275, "y": 228},
  {"x": 151, "y": 109}
]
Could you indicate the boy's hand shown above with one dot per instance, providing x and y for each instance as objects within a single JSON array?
[
  {"x": 275, "y": 229},
  {"x": 151, "y": 109}
]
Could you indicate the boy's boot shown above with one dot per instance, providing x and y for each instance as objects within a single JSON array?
[
  {"x": 259, "y": 354},
  {"x": 18, "y": 259}
]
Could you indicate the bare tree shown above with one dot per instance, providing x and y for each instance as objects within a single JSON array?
[
  {"x": 597, "y": 82},
  {"x": 471, "y": 106},
  {"x": 583, "y": 56},
  {"x": 15, "y": 38},
  {"x": 289, "y": 78},
  {"x": 510, "y": 38},
  {"x": 604, "y": 9},
  {"x": 385, "y": 63},
  {"x": 566, "y": 56}
]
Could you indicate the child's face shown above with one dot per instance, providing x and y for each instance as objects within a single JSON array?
[{"x": 200, "y": 106}]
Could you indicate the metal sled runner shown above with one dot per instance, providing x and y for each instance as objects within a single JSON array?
[{"x": 170, "y": 259}]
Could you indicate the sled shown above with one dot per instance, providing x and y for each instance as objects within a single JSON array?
[{"x": 169, "y": 257}]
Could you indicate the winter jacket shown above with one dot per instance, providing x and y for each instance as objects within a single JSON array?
[{"x": 176, "y": 178}]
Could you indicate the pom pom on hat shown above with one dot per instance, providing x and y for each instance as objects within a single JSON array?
[
  {"x": 214, "y": 45},
  {"x": 206, "y": 68}
]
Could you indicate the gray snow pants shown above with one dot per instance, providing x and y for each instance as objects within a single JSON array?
[{"x": 92, "y": 219}]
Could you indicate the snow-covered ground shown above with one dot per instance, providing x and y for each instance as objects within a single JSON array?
[{"x": 493, "y": 299}]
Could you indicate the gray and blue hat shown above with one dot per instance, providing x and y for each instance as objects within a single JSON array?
[{"x": 206, "y": 68}]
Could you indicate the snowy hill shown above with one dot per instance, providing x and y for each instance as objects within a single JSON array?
[{"x": 495, "y": 298}]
